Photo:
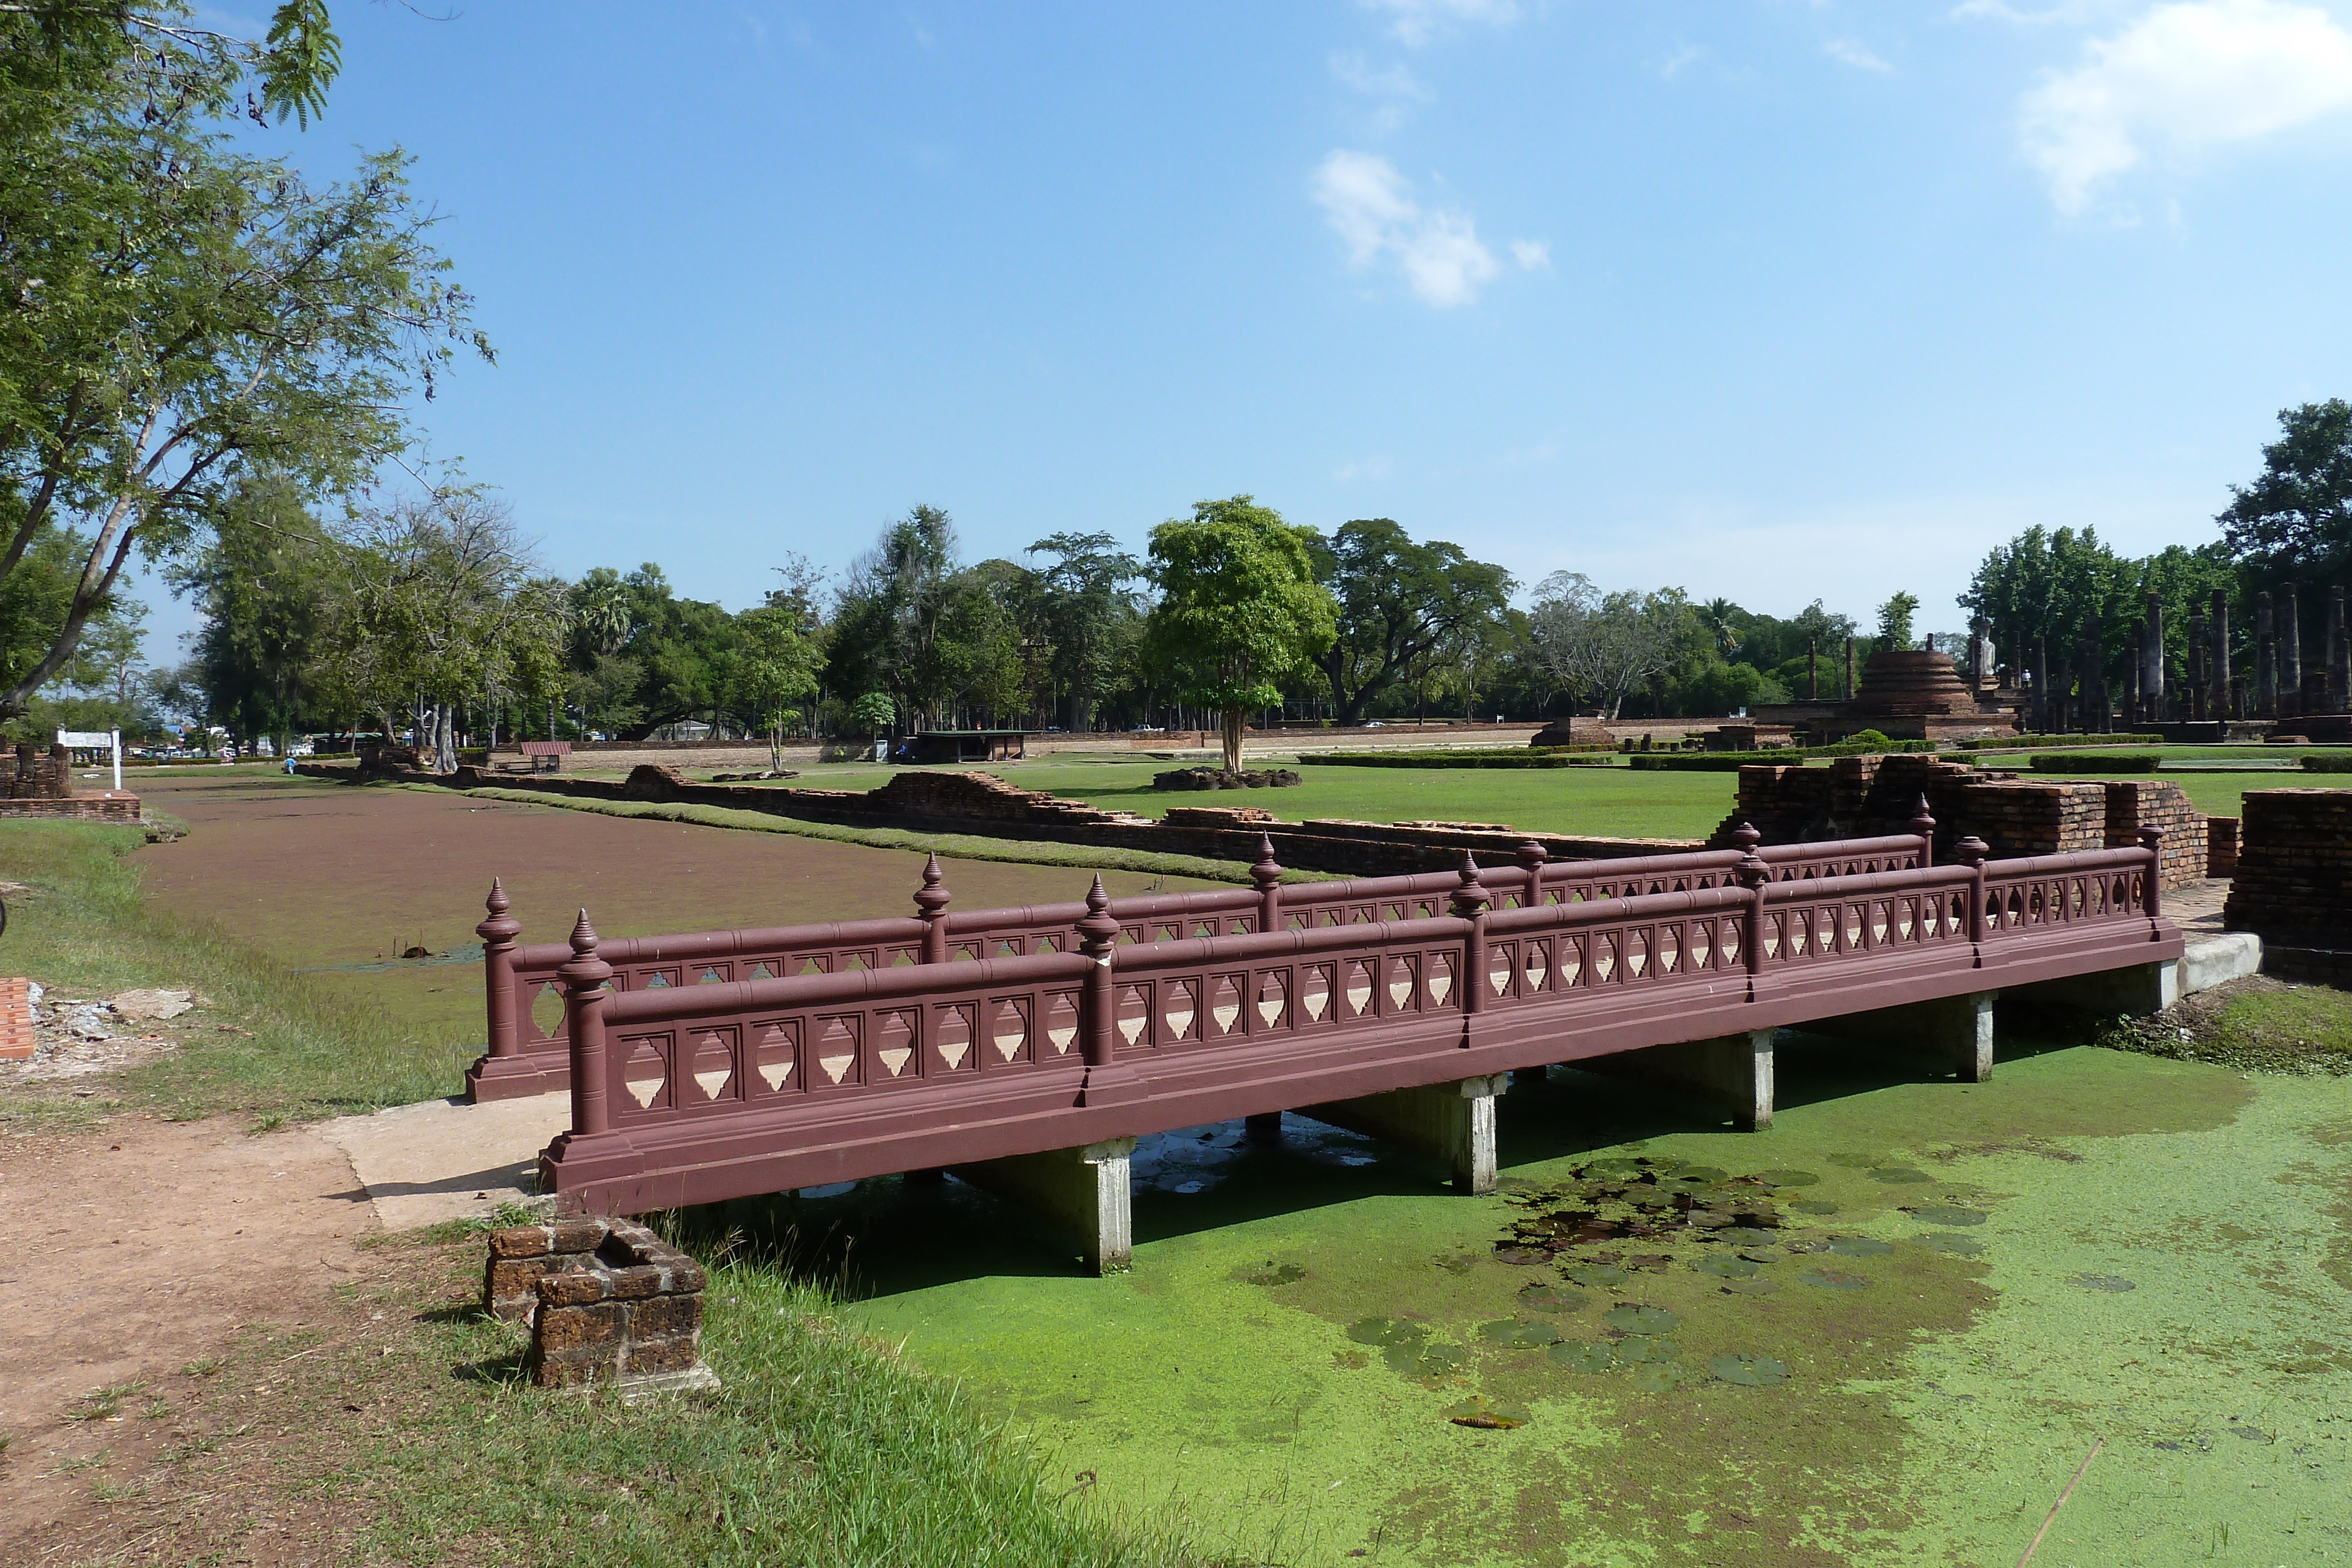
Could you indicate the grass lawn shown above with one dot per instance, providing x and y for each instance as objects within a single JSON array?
[{"x": 1615, "y": 802}]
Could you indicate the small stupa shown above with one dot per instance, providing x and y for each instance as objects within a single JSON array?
[{"x": 1911, "y": 694}]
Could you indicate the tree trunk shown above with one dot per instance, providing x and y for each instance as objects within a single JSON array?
[{"x": 1231, "y": 718}]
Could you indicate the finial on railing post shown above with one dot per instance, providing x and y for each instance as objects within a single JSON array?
[
  {"x": 1972, "y": 853},
  {"x": 1469, "y": 899},
  {"x": 2152, "y": 841},
  {"x": 1267, "y": 874},
  {"x": 1745, "y": 838},
  {"x": 931, "y": 902},
  {"x": 1106, "y": 1082},
  {"x": 1755, "y": 877},
  {"x": 1923, "y": 823},
  {"x": 1532, "y": 856},
  {"x": 498, "y": 932},
  {"x": 584, "y": 995},
  {"x": 1751, "y": 871}
]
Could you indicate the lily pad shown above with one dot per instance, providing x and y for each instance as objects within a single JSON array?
[
  {"x": 2103, "y": 1282},
  {"x": 1585, "y": 1358},
  {"x": 1653, "y": 1262},
  {"x": 1831, "y": 1279},
  {"x": 1899, "y": 1176},
  {"x": 1752, "y": 1234},
  {"x": 1789, "y": 1178},
  {"x": 1388, "y": 1331},
  {"x": 1635, "y": 1349},
  {"x": 1947, "y": 1241},
  {"x": 1517, "y": 1254},
  {"x": 1854, "y": 1162},
  {"x": 1657, "y": 1379},
  {"x": 1859, "y": 1247},
  {"x": 1814, "y": 1206},
  {"x": 1631, "y": 1318},
  {"x": 1480, "y": 1412},
  {"x": 1702, "y": 1173},
  {"x": 1748, "y": 1371},
  {"x": 1596, "y": 1275},
  {"x": 1939, "y": 1214},
  {"x": 1724, "y": 1268},
  {"x": 1549, "y": 1299},
  {"x": 1281, "y": 1274},
  {"x": 1507, "y": 1332},
  {"x": 1751, "y": 1287}
]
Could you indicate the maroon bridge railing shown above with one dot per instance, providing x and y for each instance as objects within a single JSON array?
[
  {"x": 694, "y": 1094},
  {"x": 527, "y": 1051}
]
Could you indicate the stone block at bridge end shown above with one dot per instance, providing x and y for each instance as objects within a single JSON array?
[
  {"x": 1454, "y": 1121},
  {"x": 1957, "y": 1031},
  {"x": 1087, "y": 1190}
]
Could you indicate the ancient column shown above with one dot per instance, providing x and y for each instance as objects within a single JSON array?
[
  {"x": 2265, "y": 658},
  {"x": 2040, "y": 723},
  {"x": 2340, "y": 654},
  {"x": 2290, "y": 639},
  {"x": 2132, "y": 663},
  {"x": 1812, "y": 669},
  {"x": 2199, "y": 666},
  {"x": 2217, "y": 630},
  {"x": 2151, "y": 661},
  {"x": 1848, "y": 694},
  {"x": 2094, "y": 675}
]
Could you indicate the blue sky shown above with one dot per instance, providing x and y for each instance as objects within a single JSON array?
[{"x": 1761, "y": 298}]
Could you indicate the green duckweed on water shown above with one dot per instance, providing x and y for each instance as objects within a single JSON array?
[{"x": 1323, "y": 1351}]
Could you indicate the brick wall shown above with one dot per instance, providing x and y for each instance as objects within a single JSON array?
[
  {"x": 2293, "y": 881},
  {"x": 108, "y": 808},
  {"x": 1863, "y": 797},
  {"x": 37, "y": 773},
  {"x": 2221, "y": 846},
  {"x": 608, "y": 1303}
]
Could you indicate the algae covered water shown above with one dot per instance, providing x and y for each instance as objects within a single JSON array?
[{"x": 1888, "y": 1330}]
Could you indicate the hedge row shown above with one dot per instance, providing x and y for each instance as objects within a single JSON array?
[
  {"x": 1547, "y": 758},
  {"x": 2051, "y": 742},
  {"x": 2334, "y": 762},
  {"x": 1770, "y": 757},
  {"x": 2114, "y": 762}
]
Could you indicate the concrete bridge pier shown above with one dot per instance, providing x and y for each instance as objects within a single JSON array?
[
  {"x": 1733, "y": 1071},
  {"x": 1956, "y": 1030},
  {"x": 1455, "y": 1122},
  {"x": 1088, "y": 1191},
  {"x": 2139, "y": 990}
]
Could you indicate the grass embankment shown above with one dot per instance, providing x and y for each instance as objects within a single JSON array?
[
  {"x": 270, "y": 1042},
  {"x": 1613, "y": 801},
  {"x": 824, "y": 1446}
]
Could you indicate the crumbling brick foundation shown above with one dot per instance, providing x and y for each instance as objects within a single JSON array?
[
  {"x": 2293, "y": 881},
  {"x": 609, "y": 1304}
]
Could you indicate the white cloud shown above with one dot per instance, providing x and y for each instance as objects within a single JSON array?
[
  {"x": 1415, "y": 22},
  {"x": 1674, "y": 62},
  {"x": 2070, "y": 12},
  {"x": 2194, "y": 75},
  {"x": 1371, "y": 207},
  {"x": 1398, "y": 81},
  {"x": 1531, "y": 254},
  {"x": 1856, "y": 53}
]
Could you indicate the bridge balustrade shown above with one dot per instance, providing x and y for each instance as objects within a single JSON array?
[
  {"x": 528, "y": 1042},
  {"x": 691, "y": 1093}
]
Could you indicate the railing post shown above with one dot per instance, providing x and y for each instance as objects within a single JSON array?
[
  {"x": 1469, "y": 899},
  {"x": 584, "y": 1016},
  {"x": 1755, "y": 877},
  {"x": 1924, "y": 824},
  {"x": 1107, "y": 1082},
  {"x": 931, "y": 902},
  {"x": 498, "y": 933},
  {"x": 1972, "y": 853},
  {"x": 1098, "y": 939},
  {"x": 1532, "y": 857},
  {"x": 1267, "y": 875},
  {"x": 2152, "y": 841}
]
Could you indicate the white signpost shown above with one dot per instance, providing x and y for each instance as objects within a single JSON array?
[{"x": 96, "y": 740}]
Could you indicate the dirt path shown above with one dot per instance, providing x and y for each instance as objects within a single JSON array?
[{"x": 139, "y": 1256}]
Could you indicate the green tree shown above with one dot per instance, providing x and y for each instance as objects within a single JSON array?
[
  {"x": 1603, "y": 645},
  {"x": 1895, "y": 619},
  {"x": 1090, "y": 616},
  {"x": 875, "y": 714},
  {"x": 769, "y": 666},
  {"x": 183, "y": 313},
  {"x": 1239, "y": 610},
  {"x": 885, "y": 624},
  {"x": 2295, "y": 519},
  {"x": 1402, "y": 606},
  {"x": 262, "y": 585}
]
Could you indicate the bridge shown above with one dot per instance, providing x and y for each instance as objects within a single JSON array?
[{"x": 1027, "y": 1049}]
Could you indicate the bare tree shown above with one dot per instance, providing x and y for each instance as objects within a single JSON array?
[{"x": 1601, "y": 645}]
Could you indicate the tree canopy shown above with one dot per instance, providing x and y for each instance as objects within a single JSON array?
[{"x": 1403, "y": 609}]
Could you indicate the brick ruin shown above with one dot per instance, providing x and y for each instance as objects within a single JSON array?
[
  {"x": 37, "y": 781},
  {"x": 2294, "y": 882},
  {"x": 1859, "y": 797},
  {"x": 609, "y": 1303}
]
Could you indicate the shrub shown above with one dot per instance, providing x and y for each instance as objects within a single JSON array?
[
  {"x": 2051, "y": 742},
  {"x": 1551, "y": 757},
  {"x": 2331, "y": 762},
  {"x": 2113, "y": 762}
]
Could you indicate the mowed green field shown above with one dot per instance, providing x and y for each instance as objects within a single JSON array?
[{"x": 1613, "y": 801}]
